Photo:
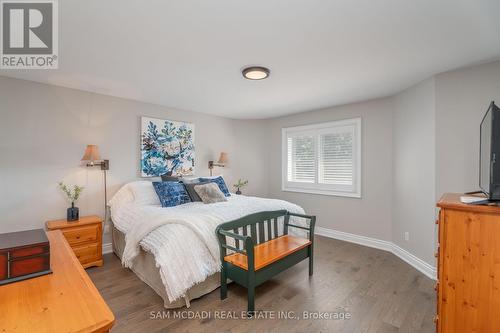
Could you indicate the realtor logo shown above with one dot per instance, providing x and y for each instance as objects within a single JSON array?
[{"x": 29, "y": 34}]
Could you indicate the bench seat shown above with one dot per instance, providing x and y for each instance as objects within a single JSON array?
[{"x": 269, "y": 252}]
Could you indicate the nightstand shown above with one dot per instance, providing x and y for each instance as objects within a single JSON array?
[{"x": 84, "y": 237}]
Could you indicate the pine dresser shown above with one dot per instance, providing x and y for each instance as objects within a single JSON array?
[{"x": 468, "y": 285}]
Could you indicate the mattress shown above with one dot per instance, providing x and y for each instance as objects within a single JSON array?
[{"x": 144, "y": 267}]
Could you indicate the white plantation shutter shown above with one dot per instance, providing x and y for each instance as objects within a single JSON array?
[
  {"x": 336, "y": 158},
  {"x": 301, "y": 159},
  {"x": 323, "y": 158}
]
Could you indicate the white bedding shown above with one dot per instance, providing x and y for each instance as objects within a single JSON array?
[{"x": 182, "y": 238}]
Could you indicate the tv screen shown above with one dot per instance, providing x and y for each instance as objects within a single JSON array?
[{"x": 489, "y": 170}]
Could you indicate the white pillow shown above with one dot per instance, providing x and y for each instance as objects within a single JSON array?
[
  {"x": 144, "y": 193},
  {"x": 123, "y": 196}
]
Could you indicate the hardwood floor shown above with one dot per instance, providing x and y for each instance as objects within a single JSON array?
[{"x": 379, "y": 291}]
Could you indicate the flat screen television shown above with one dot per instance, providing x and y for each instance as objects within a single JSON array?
[{"x": 489, "y": 169}]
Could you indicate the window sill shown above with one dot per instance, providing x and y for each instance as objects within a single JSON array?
[{"x": 356, "y": 195}]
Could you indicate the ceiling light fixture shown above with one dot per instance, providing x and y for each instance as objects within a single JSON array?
[{"x": 255, "y": 73}]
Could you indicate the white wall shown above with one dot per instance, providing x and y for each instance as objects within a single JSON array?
[
  {"x": 414, "y": 143},
  {"x": 44, "y": 130},
  {"x": 436, "y": 148},
  {"x": 369, "y": 216},
  {"x": 462, "y": 98}
]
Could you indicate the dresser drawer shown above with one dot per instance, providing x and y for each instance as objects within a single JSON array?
[
  {"x": 80, "y": 235},
  {"x": 87, "y": 253},
  {"x": 3, "y": 265},
  {"x": 29, "y": 251},
  {"x": 25, "y": 266}
]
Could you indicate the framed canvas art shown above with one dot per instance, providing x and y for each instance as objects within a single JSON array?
[{"x": 167, "y": 147}]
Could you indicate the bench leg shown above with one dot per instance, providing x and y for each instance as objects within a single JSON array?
[
  {"x": 251, "y": 300},
  {"x": 223, "y": 283},
  {"x": 311, "y": 263}
]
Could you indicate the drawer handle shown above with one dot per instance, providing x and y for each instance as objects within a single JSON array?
[
  {"x": 436, "y": 318},
  {"x": 436, "y": 286},
  {"x": 437, "y": 222},
  {"x": 436, "y": 254}
]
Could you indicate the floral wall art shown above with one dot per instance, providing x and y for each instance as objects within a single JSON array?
[{"x": 166, "y": 147}]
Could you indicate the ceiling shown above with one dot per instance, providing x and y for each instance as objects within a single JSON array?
[{"x": 189, "y": 54}]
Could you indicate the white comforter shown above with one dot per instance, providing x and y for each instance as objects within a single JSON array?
[{"x": 182, "y": 238}]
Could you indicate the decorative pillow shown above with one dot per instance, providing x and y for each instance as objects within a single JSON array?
[
  {"x": 210, "y": 193},
  {"x": 171, "y": 193},
  {"x": 190, "y": 190},
  {"x": 144, "y": 193},
  {"x": 220, "y": 182}
]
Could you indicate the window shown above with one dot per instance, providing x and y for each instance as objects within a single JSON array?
[{"x": 323, "y": 158}]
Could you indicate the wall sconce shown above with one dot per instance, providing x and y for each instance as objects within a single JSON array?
[
  {"x": 223, "y": 160},
  {"x": 92, "y": 155},
  {"x": 93, "y": 158}
]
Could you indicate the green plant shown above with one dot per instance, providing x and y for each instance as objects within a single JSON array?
[
  {"x": 72, "y": 193},
  {"x": 240, "y": 184}
]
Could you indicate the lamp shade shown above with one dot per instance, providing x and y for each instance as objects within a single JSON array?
[
  {"x": 91, "y": 153},
  {"x": 223, "y": 158}
]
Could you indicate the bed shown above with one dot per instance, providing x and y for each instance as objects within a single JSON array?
[{"x": 174, "y": 250}]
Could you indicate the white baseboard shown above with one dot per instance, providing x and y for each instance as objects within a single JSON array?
[
  {"x": 417, "y": 263},
  {"x": 107, "y": 248},
  {"x": 352, "y": 238}
]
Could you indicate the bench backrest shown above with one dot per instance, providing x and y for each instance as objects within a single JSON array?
[{"x": 262, "y": 226}]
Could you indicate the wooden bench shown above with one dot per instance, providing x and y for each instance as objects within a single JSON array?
[{"x": 261, "y": 248}]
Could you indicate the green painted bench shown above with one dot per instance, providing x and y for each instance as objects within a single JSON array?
[{"x": 265, "y": 250}]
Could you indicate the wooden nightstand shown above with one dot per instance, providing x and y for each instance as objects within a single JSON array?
[{"x": 84, "y": 236}]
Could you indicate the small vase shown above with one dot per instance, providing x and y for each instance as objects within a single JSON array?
[
  {"x": 72, "y": 213},
  {"x": 238, "y": 191}
]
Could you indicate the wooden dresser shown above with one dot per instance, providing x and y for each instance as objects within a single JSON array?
[
  {"x": 64, "y": 301},
  {"x": 84, "y": 236},
  {"x": 468, "y": 286}
]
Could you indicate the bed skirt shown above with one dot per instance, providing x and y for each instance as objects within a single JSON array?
[{"x": 145, "y": 268}]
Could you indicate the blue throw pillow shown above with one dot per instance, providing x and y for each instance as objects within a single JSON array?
[
  {"x": 171, "y": 193},
  {"x": 220, "y": 182}
]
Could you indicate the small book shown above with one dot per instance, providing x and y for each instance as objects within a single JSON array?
[{"x": 470, "y": 199}]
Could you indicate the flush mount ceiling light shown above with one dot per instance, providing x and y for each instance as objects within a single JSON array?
[{"x": 255, "y": 73}]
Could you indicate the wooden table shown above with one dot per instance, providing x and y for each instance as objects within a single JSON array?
[{"x": 64, "y": 301}]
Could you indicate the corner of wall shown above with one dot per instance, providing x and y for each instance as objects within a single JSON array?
[{"x": 414, "y": 169}]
